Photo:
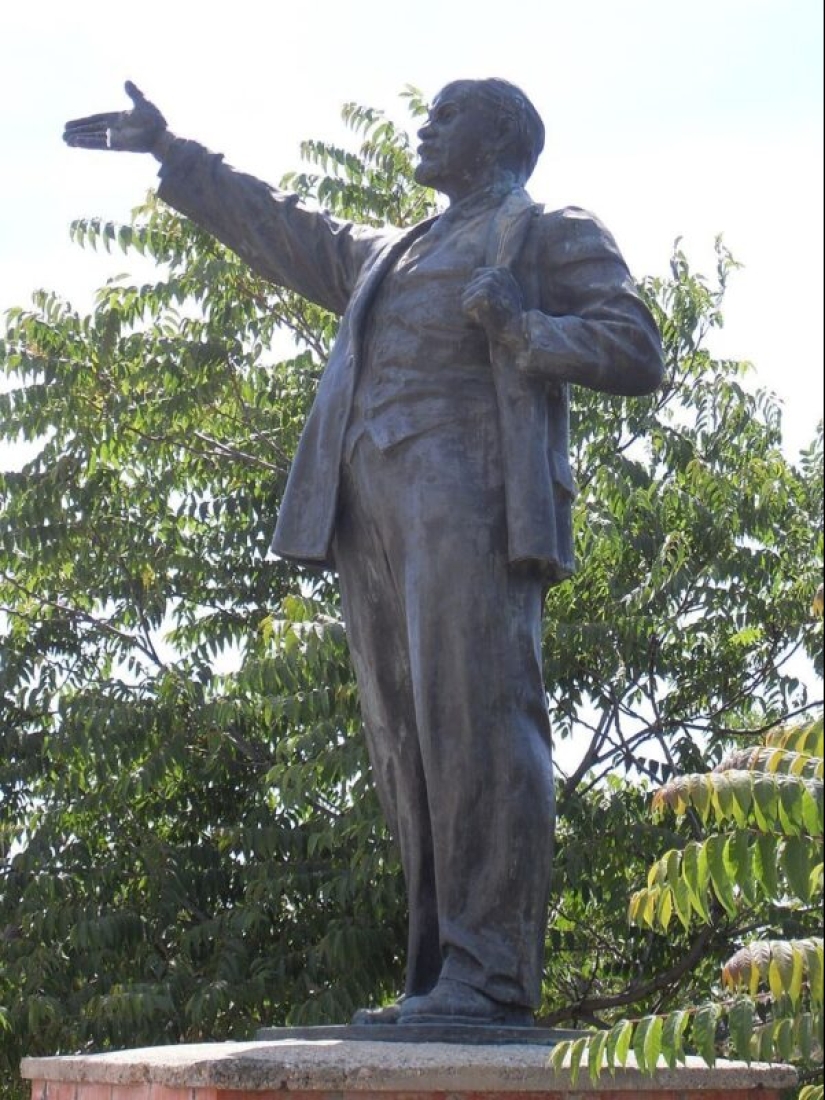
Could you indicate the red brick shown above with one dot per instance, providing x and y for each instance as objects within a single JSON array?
[
  {"x": 269, "y": 1094},
  {"x": 181, "y": 1092},
  {"x": 60, "y": 1090},
  {"x": 130, "y": 1092},
  {"x": 89, "y": 1090},
  {"x": 287, "y": 1094},
  {"x": 290, "y": 1094},
  {"x": 173, "y": 1092}
]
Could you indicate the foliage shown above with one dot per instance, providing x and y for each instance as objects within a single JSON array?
[
  {"x": 764, "y": 810},
  {"x": 189, "y": 842}
]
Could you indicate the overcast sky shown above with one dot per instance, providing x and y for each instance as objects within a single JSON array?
[{"x": 665, "y": 118}]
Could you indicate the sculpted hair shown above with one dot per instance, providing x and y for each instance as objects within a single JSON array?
[{"x": 512, "y": 104}]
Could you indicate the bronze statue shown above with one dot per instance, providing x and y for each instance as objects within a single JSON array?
[{"x": 433, "y": 475}]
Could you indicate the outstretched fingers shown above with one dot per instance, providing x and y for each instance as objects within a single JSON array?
[
  {"x": 136, "y": 95},
  {"x": 108, "y": 118},
  {"x": 90, "y": 132},
  {"x": 88, "y": 141}
]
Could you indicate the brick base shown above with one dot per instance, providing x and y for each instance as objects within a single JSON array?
[
  {"x": 328, "y": 1070},
  {"x": 64, "y": 1090}
]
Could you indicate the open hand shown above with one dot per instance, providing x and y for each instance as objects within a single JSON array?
[{"x": 136, "y": 131}]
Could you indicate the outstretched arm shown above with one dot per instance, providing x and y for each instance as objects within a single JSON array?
[
  {"x": 141, "y": 130},
  {"x": 310, "y": 252}
]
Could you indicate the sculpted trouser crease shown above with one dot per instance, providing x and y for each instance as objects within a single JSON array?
[{"x": 445, "y": 639}]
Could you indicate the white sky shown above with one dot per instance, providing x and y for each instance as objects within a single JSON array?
[{"x": 665, "y": 118}]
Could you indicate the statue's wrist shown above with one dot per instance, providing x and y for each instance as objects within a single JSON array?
[{"x": 162, "y": 145}]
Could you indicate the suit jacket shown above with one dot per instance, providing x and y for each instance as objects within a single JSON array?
[{"x": 583, "y": 315}]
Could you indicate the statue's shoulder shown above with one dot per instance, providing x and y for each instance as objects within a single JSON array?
[{"x": 572, "y": 233}]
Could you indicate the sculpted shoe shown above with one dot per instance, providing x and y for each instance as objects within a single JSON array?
[
  {"x": 369, "y": 1017},
  {"x": 453, "y": 1002}
]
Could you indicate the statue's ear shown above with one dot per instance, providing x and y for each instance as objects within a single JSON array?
[{"x": 505, "y": 137}]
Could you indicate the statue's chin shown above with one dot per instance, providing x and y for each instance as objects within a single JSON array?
[{"x": 426, "y": 175}]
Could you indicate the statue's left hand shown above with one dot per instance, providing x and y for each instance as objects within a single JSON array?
[
  {"x": 492, "y": 299},
  {"x": 141, "y": 130}
]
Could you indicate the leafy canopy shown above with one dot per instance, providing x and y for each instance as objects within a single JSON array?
[{"x": 764, "y": 811}]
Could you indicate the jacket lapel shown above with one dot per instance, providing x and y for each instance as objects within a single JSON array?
[
  {"x": 389, "y": 253},
  {"x": 508, "y": 229}
]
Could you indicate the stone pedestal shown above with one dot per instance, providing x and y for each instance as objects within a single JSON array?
[{"x": 330, "y": 1069}]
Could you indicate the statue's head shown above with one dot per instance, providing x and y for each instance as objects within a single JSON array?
[{"x": 478, "y": 131}]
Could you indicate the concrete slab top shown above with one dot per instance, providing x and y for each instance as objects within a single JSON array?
[{"x": 330, "y": 1064}]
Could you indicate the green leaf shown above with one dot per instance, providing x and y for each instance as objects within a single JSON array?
[
  {"x": 681, "y": 898},
  {"x": 812, "y": 808},
  {"x": 742, "y": 796},
  {"x": 781, "y": 968},
  {"x": 741, "y": 1019},
  {"x": 653, "y": 1043},
  {"x": 765, "y": 802},
  {"x": 804, "y": 1035},
  {"x": 783, "y": 1039},
  {"x": 700, "y": 794},
  {"x": 703, "y": 1032},
  {"x": 673, "y": 1037},
  {"x": 739, "y": 859},
  {"x": 791, "y": 795},
  {"x": 595, "y": 1054},
  {"x": 624, "y": 1035},
  {"x": 797, "y": 865},
  {"x": 697, "y": 876},
  {"x": 665, "y": 908},
  {"x": 812, "y": 949},
  {"x": 559, "y": 1054},
  {"x": 722, "y": 796},
  {"x": 720, "y": 872},
  {"x": 762, "y": 1046},
  {"x": 644, "y": 1028},
  {"x": 765, "y": 865},
  {"x": 578, "y": 1053}
]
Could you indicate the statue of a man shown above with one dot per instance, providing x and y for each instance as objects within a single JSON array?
[{"x": 433, "y": 476}]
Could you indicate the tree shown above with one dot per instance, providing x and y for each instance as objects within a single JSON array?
[
  {"x": 189, "y": 843},
  {"x": 762, "y": 860}
]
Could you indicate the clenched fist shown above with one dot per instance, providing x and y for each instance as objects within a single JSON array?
[{"x": 492, "y": 298}]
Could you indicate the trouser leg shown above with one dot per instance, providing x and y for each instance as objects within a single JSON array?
[
  {"x": 376, "y": 634},
  {"x": 478, "y": 804}
]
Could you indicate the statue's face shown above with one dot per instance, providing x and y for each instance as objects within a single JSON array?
[{"x": 460, "y": 141}]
